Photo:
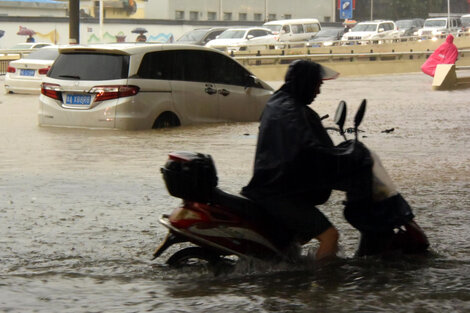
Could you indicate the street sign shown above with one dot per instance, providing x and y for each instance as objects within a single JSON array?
[{"x": 346, "y": 9}]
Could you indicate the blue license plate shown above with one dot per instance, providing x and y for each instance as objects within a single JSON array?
[
  {"x": 24, "y": 72},
  {"x": 78, "y": 99}
]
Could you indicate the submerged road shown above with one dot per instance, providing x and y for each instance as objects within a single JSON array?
[{"x": 79, "y": 211}]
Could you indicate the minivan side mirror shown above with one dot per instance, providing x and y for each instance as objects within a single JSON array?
[
  {"x": 251, "y": 81},
  {"x": 381, "y": 30},
  {"x": 250, "y": 37}
]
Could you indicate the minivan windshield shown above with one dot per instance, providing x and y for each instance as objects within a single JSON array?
[
  {"x": 90, "y": 66},
  {"x": 194, "y": 35},
  {"x": 273, "y": 28},
  {"x": 405, "y": 24},
  {"x": 364, "y": 28},
  {"x": 435, "y": 23},
  {"x": 228, "y": 34}
]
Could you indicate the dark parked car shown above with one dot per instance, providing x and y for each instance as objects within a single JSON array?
[
  {"x": 409, "y": 27},
  {"x": 200, "y": 36},
  {"x": 327, "y": 36}
]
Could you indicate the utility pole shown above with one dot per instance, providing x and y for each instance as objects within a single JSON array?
[
  {"x": 371, "y": 10},
  {"x": 448, "y": 12},
  {"x": 101, "y": 20},
  {"x": 265, "y": 10},
  {"x": 220, "y": 10},
  {"x": 74, "y": 21},
  {"x": 333, "y": 15}
]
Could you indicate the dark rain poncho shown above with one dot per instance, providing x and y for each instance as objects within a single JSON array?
[{"x": 295, "y": 158}]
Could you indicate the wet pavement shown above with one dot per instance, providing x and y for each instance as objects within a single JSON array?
[{"x": 79, "y": 212}]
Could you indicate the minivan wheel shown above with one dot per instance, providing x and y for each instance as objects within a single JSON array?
[{"x": 167, "y": 119}]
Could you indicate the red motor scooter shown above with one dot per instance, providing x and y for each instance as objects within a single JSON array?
[{"x": 219, "y": 224}]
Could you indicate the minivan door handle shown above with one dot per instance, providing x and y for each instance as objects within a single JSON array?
[
  {"x": 224, "y": 92},
  {"x": 211, "y": 91}
]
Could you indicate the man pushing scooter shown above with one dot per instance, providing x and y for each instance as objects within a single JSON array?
[{"x": 297, "y": 166}]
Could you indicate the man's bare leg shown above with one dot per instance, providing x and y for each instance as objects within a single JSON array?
[{"x": 328, "y": 244}]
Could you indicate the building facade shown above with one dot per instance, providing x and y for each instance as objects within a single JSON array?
[
  {"x": 186, "y": 10},
  {"x": 240, "y": 10},
  {"x": 164, "y": 20},
  {"x": 33, "y": 8}
]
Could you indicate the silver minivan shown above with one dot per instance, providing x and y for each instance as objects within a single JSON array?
[
  {"x": 144, "y": 86},
  {"x": 295, "y": 29}
]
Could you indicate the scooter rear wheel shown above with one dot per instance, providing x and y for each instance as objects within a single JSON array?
[{"x": 194, "y": 257}]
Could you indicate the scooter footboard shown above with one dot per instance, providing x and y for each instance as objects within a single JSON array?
[{"x": 226, "y": 238}]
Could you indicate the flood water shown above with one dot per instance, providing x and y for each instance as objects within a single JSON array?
[{"x": 79, "y": 212}]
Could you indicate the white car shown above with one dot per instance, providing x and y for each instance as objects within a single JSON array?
[
  {"x": 438, "y": 26},
  {"x": 244, "y": 39},
  {"x": 25, "y": 75},
  {"x": 372, "y": 30},
  {"x": 135, "y": 86},
  {"x": 30, "y": 45}
]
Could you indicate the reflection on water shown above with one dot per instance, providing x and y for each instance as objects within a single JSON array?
[{"x": 79, "y": 211}]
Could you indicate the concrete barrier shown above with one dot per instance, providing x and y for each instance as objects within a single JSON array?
[
  {"x": 273, "y": 67},
  {"x": 446, "y": 78}
]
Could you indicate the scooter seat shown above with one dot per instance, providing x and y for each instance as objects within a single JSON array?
[
  {"x": 237, "y": 204},
  {"x": 250, "y": 211}
]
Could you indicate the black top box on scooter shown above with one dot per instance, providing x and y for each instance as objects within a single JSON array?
[{"x": 190, "y": 175}]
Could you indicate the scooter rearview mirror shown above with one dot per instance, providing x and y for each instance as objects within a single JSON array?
[
  {"x": 360, "y": 113},
  {"x": 340, "y": 115}
]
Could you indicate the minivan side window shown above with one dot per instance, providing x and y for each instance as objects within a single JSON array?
[
  {"x": 312, "y": 28},
  {"x": 286, "y": 29},
  {"x": 224, "y": 70},
  {"x": 156, "y": 65},
  {"x": 190, "y": 65},
  {"x": 297, "y": 28}
]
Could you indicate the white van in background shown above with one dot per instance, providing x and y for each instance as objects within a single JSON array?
[{"x": 295, "y": 29}]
